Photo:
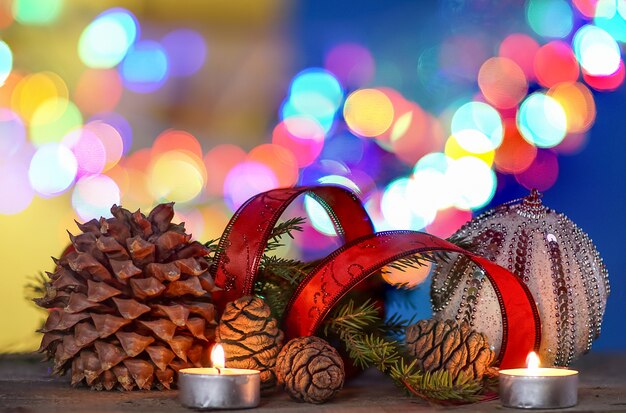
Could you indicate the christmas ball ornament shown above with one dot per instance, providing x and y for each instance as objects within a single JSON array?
[
  {"x": 250, "y": 337},
  {"x": 310, "y": 369},
  {"x": 130, "y": 304},
  {"x": 556, "y": 260},
  {"x": 445, "y": 345}
]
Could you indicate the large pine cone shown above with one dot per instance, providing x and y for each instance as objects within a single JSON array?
[
  {"x": 310, "y": 369},
  {"x": 131, "y": 304},
  {"x": 250, "y": 337},
  {"x": 446, "y": 345}
]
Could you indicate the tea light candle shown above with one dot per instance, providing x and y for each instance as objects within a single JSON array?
[
  {"x": 538, "y": 388},
  {"x": 218, "y": 387}
]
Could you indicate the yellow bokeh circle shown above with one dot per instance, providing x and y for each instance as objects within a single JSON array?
[
  {"x": 33, "y": 90},
  {"x": 176, "y": 176},
  {"x": 455, "y": 151},
  {"x": 578, "y": 104},
  {"x": 368, "y": 112}
]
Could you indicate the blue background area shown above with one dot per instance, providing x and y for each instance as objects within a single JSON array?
[{"x": 591, "y": 188}]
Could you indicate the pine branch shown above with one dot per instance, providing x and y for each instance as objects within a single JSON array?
[
  {"x": 349, "y": 317},
  {"x": 283, "y": 229},
  {"x": 387, "y": 356},
  {"x": 35, "y": 287},
  {"x": 371, "y": 349},
  {"x": 365, "y": 336},
  {"x": 396, "y": 325},
  {"x": 365, "y": 317},
  {"x": 412, "y": 262},
  {"x": 292, "y": 271},
  {"x": 438, "y": 387},
  {"x": 213, "y": 246},
  {"x": 460, "y": 241},
  {"x": 279, "y": 277},
  {"x": 274, "y": 296}
]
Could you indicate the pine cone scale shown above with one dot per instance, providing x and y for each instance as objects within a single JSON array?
[
  {"x": 59, "y": 321},
  {"x": 133, "y": 343},
  {"x": 78, "y": 302},
  {"x": 163, "y": 272},
  {"x": 99, "y": 291},
  {"x": 196, "y": 326},
  {"x": 85, "y": 333},
  {"x": 177, "y": 314},
  {"x": 130, "y": 308},
  {"x": 67, "y": 279},
  {"x": 124, "y": 269},
  {"x": 190, "y": 286},
  {"x": 206, "y": 310},
  {"x": 160, "y": 356}
]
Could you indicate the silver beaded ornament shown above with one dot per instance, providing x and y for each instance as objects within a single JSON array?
[{"x": 555, "y": 259}]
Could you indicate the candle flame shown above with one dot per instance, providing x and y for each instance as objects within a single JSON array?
[
  {"x": 532, "y": 361},
  {"x": 217, "y": 356}
]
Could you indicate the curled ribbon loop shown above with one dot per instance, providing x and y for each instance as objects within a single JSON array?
[
  {"x": 349, "y": 265},
  {"x": 364, "y": 254},
  {"x": 245, "y": 238}
]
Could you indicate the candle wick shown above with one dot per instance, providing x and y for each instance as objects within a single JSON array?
[{"x": 219, "y": 372}]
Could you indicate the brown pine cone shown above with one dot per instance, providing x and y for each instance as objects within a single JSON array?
[
  {"x": 310, "y": 369},
  {"x": 250, "y": 337},
  {"x": 446, "y": 345},
  {"x": 131, "y": 304}
]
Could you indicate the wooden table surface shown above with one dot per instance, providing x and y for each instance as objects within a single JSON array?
[{"x": 26, "y": 386}]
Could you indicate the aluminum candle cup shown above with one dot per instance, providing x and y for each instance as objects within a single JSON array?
[
  {"x": 540, "y": 388},
  {"x": 225, "y": 388}
]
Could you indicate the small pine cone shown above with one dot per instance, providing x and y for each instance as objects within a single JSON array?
[
  {"x": 250, "y": 337},
  {"x": 446, "y": 345},
  {"x": 130, "y": 302},
  {"x": 310, "y": 369}
]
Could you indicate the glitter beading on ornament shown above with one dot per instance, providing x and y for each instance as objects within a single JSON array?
[{"x": 555, "y": 259}]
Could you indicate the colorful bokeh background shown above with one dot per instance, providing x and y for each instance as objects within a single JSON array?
[{"x": 432, "y": 111}]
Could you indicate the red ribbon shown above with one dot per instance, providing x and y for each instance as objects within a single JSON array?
[{"x": 364, "y": 254}]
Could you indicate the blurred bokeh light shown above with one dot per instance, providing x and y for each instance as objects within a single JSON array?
[
  {"x": 105, "y": 41},
  {"x": 207, "y": 103}
]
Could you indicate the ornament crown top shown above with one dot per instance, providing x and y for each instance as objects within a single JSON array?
[{"x": 529, "y": 207}]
